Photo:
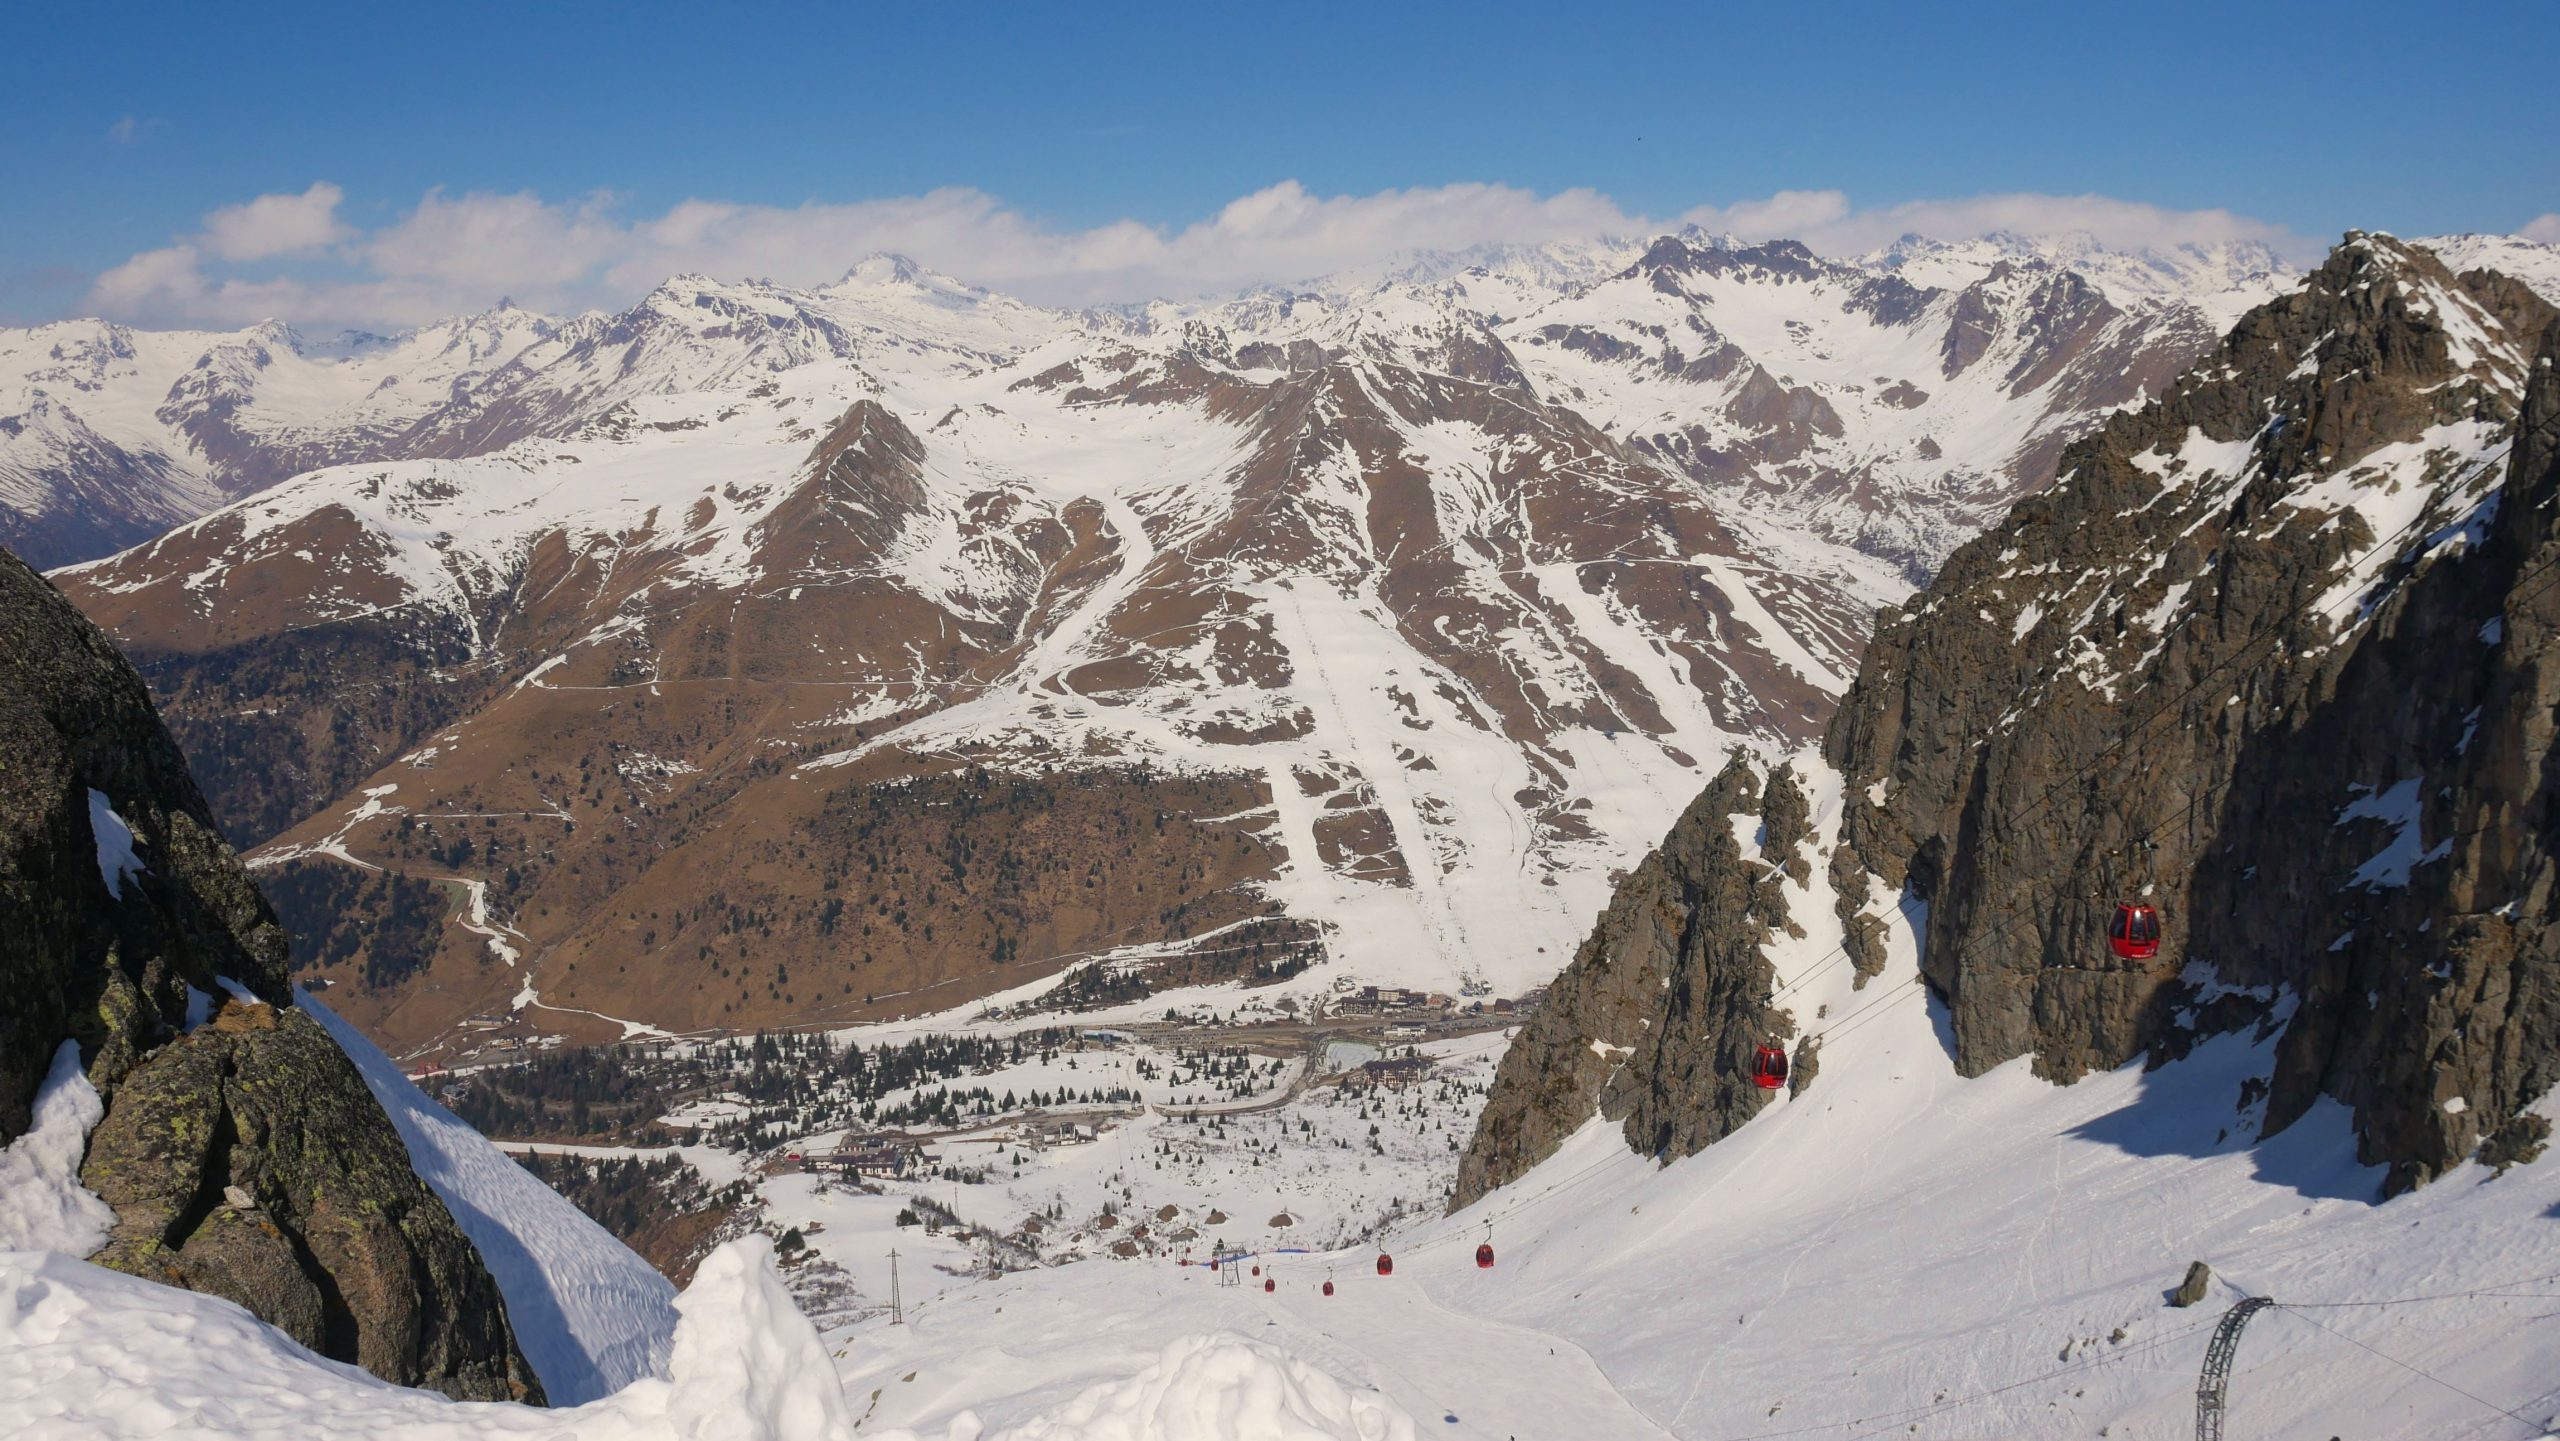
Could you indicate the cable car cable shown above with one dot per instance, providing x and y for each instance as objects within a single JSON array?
[
  {"x": 1840, "y": 952},
  {"x": 2412, "y": 1370},
  {"x": 1888, "y": 1420}
]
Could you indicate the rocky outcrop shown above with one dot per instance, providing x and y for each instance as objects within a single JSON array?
[
  {"x": 240, "y": 1150},
  {"x": 1654, "y": 1023}
]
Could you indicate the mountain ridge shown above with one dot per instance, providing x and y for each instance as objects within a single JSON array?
[{"x": 2334, "y": 517}]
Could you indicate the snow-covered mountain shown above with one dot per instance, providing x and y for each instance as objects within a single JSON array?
[
  {"x": 689, "y": 623},
  {"x": 110, "y": 434}
]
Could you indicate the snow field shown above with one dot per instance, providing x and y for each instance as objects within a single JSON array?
[{"x": 107, "y": 1357}]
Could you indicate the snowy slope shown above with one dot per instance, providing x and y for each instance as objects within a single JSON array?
[
  {"x": 2535, "y": 262},
  {"x": 592, "y": 1317},
  {"x": 1897, "y": 1251},
  {"x": 102, "y": 1355},
  {"x": 110, "y": 434},
  {"x": 1465, "y": 568},
  {"x": 98, "y": 1354}
]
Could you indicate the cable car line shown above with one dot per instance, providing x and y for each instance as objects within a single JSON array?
[
  {"x": 2412, "y": 1370},
  {"x": 2136, "y": 734},
  {"x": 2493, "y": 1288},
  {"x": 1888, "y": 1420}
]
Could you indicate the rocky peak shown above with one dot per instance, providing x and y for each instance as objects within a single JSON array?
[{"x": 2140, "y": 687}]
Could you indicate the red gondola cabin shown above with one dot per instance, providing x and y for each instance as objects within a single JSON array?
[
  {"x": 1769, "y": 1067},
  {"x": 1328, "y": 1288},
  {"x": 1484, "y": 1257},
  {"x": 1269, "y": 1285},
  {"x": 2134, "y": 934},
  {"x": 1386, "y": 1264}
]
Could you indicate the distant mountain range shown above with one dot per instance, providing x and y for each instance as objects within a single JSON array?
[{"x": 764, "y": 654}]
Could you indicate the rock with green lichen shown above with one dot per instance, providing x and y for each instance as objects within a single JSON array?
[{"x": 338, "y": 1243}]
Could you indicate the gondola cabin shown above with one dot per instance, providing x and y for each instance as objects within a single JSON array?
[
  {"x": 2134, "y": 934},
  {"x": 1769, "y": 1067},
  {"x": 1328, "y": 1288},
  {"x": 1269, "y": 1285},
  {"x": 1386, "y": 1264},
  {"x": 1484, "y": 1257}
]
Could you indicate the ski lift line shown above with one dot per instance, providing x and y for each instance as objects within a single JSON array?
[
  {"x": 1883, "y": 1422},
  {"x": 1840, "y": 952},
  {"x": 2494, "y": 1288},
  {"x": 2416, "y": 1370},
  {"x": 1521, "y": 1203},
  {"x": 2494, "y": 1423},
  {"x": 2137, "y": 732}
]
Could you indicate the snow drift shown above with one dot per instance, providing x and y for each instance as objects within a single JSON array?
[
  {"x": 43, "y": 1206},
  {"x": 99, "y": 1354},
  {"x": 1212, "y": 1388}
]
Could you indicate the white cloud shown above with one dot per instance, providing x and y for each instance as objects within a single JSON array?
[
  {"x": 2545, "y": 228},
  {"x": 1825, "y": 220},
  {"x": 156, "y": 282},
  {"x": 129, "y": 131},
  {"x": 1789, "y": 214},
  {"x": 273, "y": 225},
  {"x": 513, "y": 241},
  {"x": 461, "y": 252}
]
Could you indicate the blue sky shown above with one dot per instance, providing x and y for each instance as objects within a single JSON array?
[{"x": 127, "y": 126}]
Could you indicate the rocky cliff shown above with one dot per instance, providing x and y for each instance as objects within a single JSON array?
[
  {"x": 240, "y": 1150},
  {"x": 1655, "y": 1022},
  {"x": 2274, "y": 655}
]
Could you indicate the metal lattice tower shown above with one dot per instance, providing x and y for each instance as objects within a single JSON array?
[{"x": 2215, "y": 1380}]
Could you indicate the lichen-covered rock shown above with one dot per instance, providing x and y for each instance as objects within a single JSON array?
[
  {"x": 341, "y": 1246},
  {"x": 1655, "y": 1021},
  {"x": 125, "y": 912}
]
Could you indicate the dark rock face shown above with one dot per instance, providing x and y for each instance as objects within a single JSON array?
[
  {"x": 2199, "y": 1280},
  {"x": 1654, "y": 1023},
  {"x": 2272, "y": 656},
  {"x": 341, "y": 1245},
  {"x": 74, "y": 959}
]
